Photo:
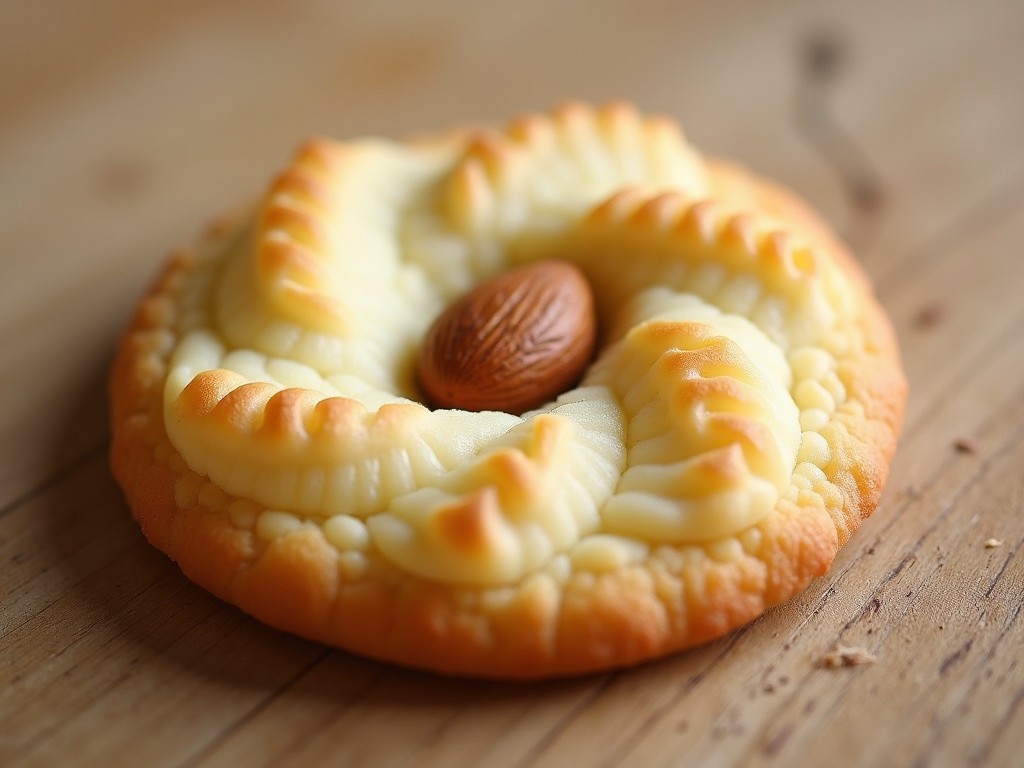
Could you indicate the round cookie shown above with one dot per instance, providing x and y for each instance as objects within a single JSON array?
[{"x": 733, "y": 430}]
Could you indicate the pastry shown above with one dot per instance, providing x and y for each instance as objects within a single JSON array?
[{"x": 686, "y": 400}]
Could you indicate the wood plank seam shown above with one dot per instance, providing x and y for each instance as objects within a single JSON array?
[
  {"x": 383, "y": 675},
  {"x": 57, "y": 476},
  {"x": 538, "y": 749},
  {"x": 41, "y": 738},
  {"x": 139, "y": 593},
  {"x": 618, "y": 756},
  {"x": 262, "y": 704},
  {"x": 99, "y": 569},
  {"x": 84, "y": 707}
]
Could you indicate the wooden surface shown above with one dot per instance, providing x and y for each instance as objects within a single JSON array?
[{"x": 124, "y": 126}]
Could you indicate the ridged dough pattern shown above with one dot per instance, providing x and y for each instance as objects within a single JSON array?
[{"x": 733, "y": 430}]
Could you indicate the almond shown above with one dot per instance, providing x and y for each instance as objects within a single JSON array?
[{"x": 512, "y": 343}]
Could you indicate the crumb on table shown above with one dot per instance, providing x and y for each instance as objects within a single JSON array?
[
  {"x": 966, "y": 445},
  {"x": 930, "y": 315},
  {"x": 847, "y": 656}
]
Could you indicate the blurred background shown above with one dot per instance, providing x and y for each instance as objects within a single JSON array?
[
  {"x": 125, "y": 126},
  {"x": 126, "y": 114}
]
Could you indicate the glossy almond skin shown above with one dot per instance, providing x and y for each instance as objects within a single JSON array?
[{"x": 513, "y": 343}]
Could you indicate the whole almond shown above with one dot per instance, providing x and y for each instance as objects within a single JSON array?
[{"x": 512, "y": 343}]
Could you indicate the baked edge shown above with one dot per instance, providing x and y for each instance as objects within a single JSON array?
[{"x": 595, "y": 621}]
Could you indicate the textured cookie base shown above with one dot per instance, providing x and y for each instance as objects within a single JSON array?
[{"x": 676, "y": 597}]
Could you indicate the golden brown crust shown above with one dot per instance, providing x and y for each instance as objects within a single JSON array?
[
  {"x": 867, "y": 439},
  {"x": 552, "y": 621}
]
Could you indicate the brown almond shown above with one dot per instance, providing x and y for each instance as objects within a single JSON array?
[{"x": 512, "y": 343}]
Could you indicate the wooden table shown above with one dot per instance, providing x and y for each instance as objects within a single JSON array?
[{"x": 124, "y": 126}]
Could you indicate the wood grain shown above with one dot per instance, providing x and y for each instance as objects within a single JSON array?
[{"x": 125, "y": 129}]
